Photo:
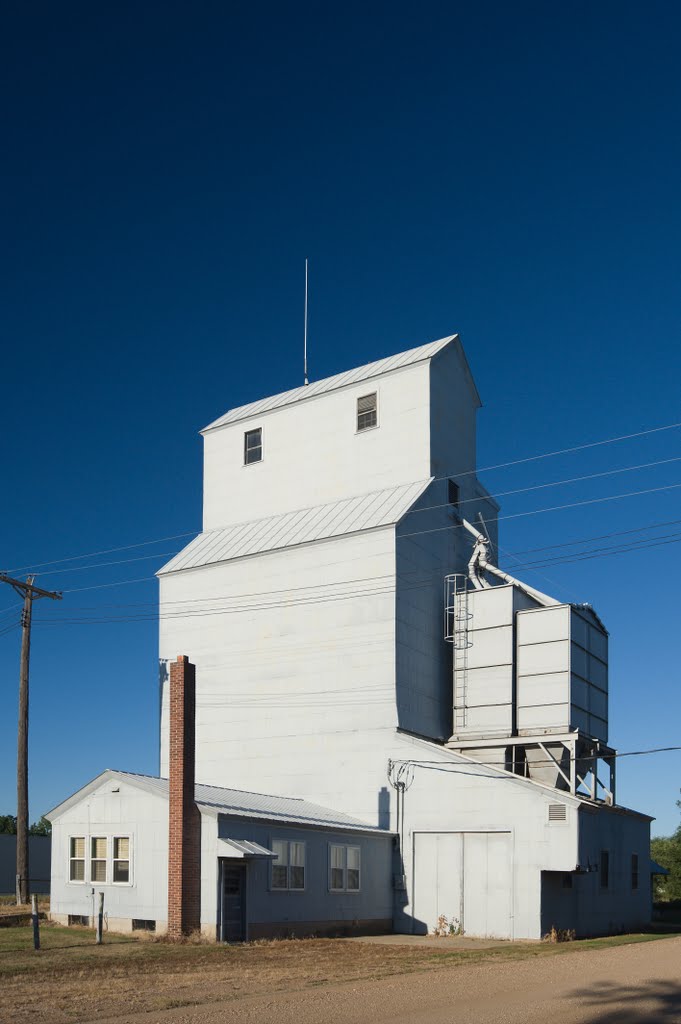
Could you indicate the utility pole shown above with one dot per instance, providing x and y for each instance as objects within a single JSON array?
[{"x": 30, "y": 593}]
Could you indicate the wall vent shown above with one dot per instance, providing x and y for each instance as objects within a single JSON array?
[
  {"x": 557, "y": 812},
  {"x": 141, "y": 925}
]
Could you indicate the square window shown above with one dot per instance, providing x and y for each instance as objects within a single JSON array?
[
  {"x": 367, "y": 411},
  {"x": 253, "y": 446},
  {"x": 288, "y": 869}
]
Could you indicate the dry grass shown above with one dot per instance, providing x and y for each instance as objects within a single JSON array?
[
  {"x": 71, "y": 979},
  {"x": 8, "y": 906}
]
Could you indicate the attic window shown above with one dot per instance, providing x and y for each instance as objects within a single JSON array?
[
  {"x": 253, "y": 446},
  {"x": 557, "y": 812},
  {"x": 453, "y": 493},
  {"x": 367, "y": 412}
]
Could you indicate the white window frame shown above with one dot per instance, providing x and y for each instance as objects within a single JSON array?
[
  {"x": 374, "y": 426},
  {"x": 114, "y": 837},
  {"x": 253, "y": 462},
  {"x": 87, "y": 838},
  {"x": 70, "y": 859},
  {"x": 288, "y": 887},
  {"x": 105, "y": 858},
  {"x": 344, "y": 847}
]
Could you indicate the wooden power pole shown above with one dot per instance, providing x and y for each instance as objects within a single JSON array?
[{"x": 30, "y": 593}]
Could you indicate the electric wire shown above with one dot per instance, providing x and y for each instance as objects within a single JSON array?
[{"x": 448, "y": 475}]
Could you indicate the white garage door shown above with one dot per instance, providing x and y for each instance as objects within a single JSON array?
[{"x": 466, "y": 876}]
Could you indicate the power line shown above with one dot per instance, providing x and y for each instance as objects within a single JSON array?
[
  {"x": 378, "y": 589},
  {"x": 548, "y": 762},
  {"x": 554, "y": 508},
  {"x": 440, "y": 570},
  {"x": 461, "y": 473}
]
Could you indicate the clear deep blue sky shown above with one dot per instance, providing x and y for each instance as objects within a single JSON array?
[{"x": 508, "y": 171}]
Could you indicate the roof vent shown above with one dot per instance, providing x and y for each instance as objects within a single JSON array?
[{"x": 557, "y": 812}]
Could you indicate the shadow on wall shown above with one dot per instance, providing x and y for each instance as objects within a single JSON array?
[
  {"x": 383, "y": 808},
  {"x": 658, "y": 1000}
]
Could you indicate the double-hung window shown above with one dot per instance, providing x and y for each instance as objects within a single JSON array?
[
  {"x": 121, "y": 859},
  {"x": 367, "y": 412},
  {"x": 98, "y": 859},
  {"x": 253, "y": 446},
  {"x": 77, "y": 859},
  {"x": 344, "y": 868},
  {"x": 108, "y": 860},
  {"x": 288, "y": 869}
]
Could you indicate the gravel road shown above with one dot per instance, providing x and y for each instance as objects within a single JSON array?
[{"x": 621, "y": 985}]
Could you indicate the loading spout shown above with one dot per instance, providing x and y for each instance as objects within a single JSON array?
[{"x": 478, "y": 566}]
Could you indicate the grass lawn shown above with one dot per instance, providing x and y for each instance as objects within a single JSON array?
[{"x": 71, "y": 979}]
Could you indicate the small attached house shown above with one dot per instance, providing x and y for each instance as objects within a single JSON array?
[
  {"x": 238, "y": 866},
  {"x": 269, "y": 865}
]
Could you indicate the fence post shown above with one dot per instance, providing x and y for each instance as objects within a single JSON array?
[
  {"x": 36, "y": 922},
  {"x": 100, "y": 919}
]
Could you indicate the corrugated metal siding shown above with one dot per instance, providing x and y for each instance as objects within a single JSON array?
[
  {"x": 352, "y": 515},
  {"x": 255, "y": 805},
  {"x": 340, "y": 380}
]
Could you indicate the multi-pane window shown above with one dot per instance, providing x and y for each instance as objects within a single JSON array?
[
  {"x": 121, "y": 859},
  {"x": 344, "y": 868},
  {"x": 288, "y": 869},
  {"x": 77, "y": 859},
  {"x": 108, "y": 860},
  {"x": 98, "y": 859},
  {"x": 605, "y": 869},
  {"x": 634, "y": 871},
  {"x": 253, "y": 446},
  {"x": 367, "y": 411}
]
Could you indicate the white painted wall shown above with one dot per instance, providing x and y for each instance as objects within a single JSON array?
[
  {"x": 104, "y": 812},
  {"x": 288, "y": 696},
  {"x": 312, "y": 453}
]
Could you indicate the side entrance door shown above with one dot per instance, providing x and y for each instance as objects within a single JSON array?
[{"x": 233, "y": 916}]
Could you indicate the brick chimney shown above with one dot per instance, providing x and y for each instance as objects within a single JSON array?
[{"x": 184, "y": 818}]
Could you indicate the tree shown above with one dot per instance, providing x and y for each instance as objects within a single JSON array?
[
  {"x": 8, "y": 825},
  {"x": 41, "y": 828},
  {"x": 666, "y": 850}
]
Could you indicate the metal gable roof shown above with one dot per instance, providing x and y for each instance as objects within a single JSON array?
[
  {"x": 239, "y": 803},
  {"x": 339, "y": 380},
  {"x": 351, "y": 515}
]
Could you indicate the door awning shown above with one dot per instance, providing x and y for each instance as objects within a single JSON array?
[{"x": 243, "y": 848}]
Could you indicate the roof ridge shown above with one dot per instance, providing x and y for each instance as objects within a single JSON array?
[{"x": 355, "y": 375}]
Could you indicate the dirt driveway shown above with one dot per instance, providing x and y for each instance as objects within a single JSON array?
[{"x": 636, "y": 984}]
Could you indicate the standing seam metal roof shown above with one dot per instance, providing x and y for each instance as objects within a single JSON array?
[
  {"x": 351, "y": 515},
  {"x": 253, "y": 805},
  {"x": 340, "y": 380}
]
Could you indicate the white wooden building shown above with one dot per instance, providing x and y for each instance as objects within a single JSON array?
[{"x": 312, "y": 606}]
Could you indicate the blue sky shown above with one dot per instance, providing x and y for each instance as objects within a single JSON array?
[{"x": 508, "y": 171}]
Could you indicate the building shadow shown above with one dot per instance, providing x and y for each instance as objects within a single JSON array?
[{"x": 657, "y": 1001}]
